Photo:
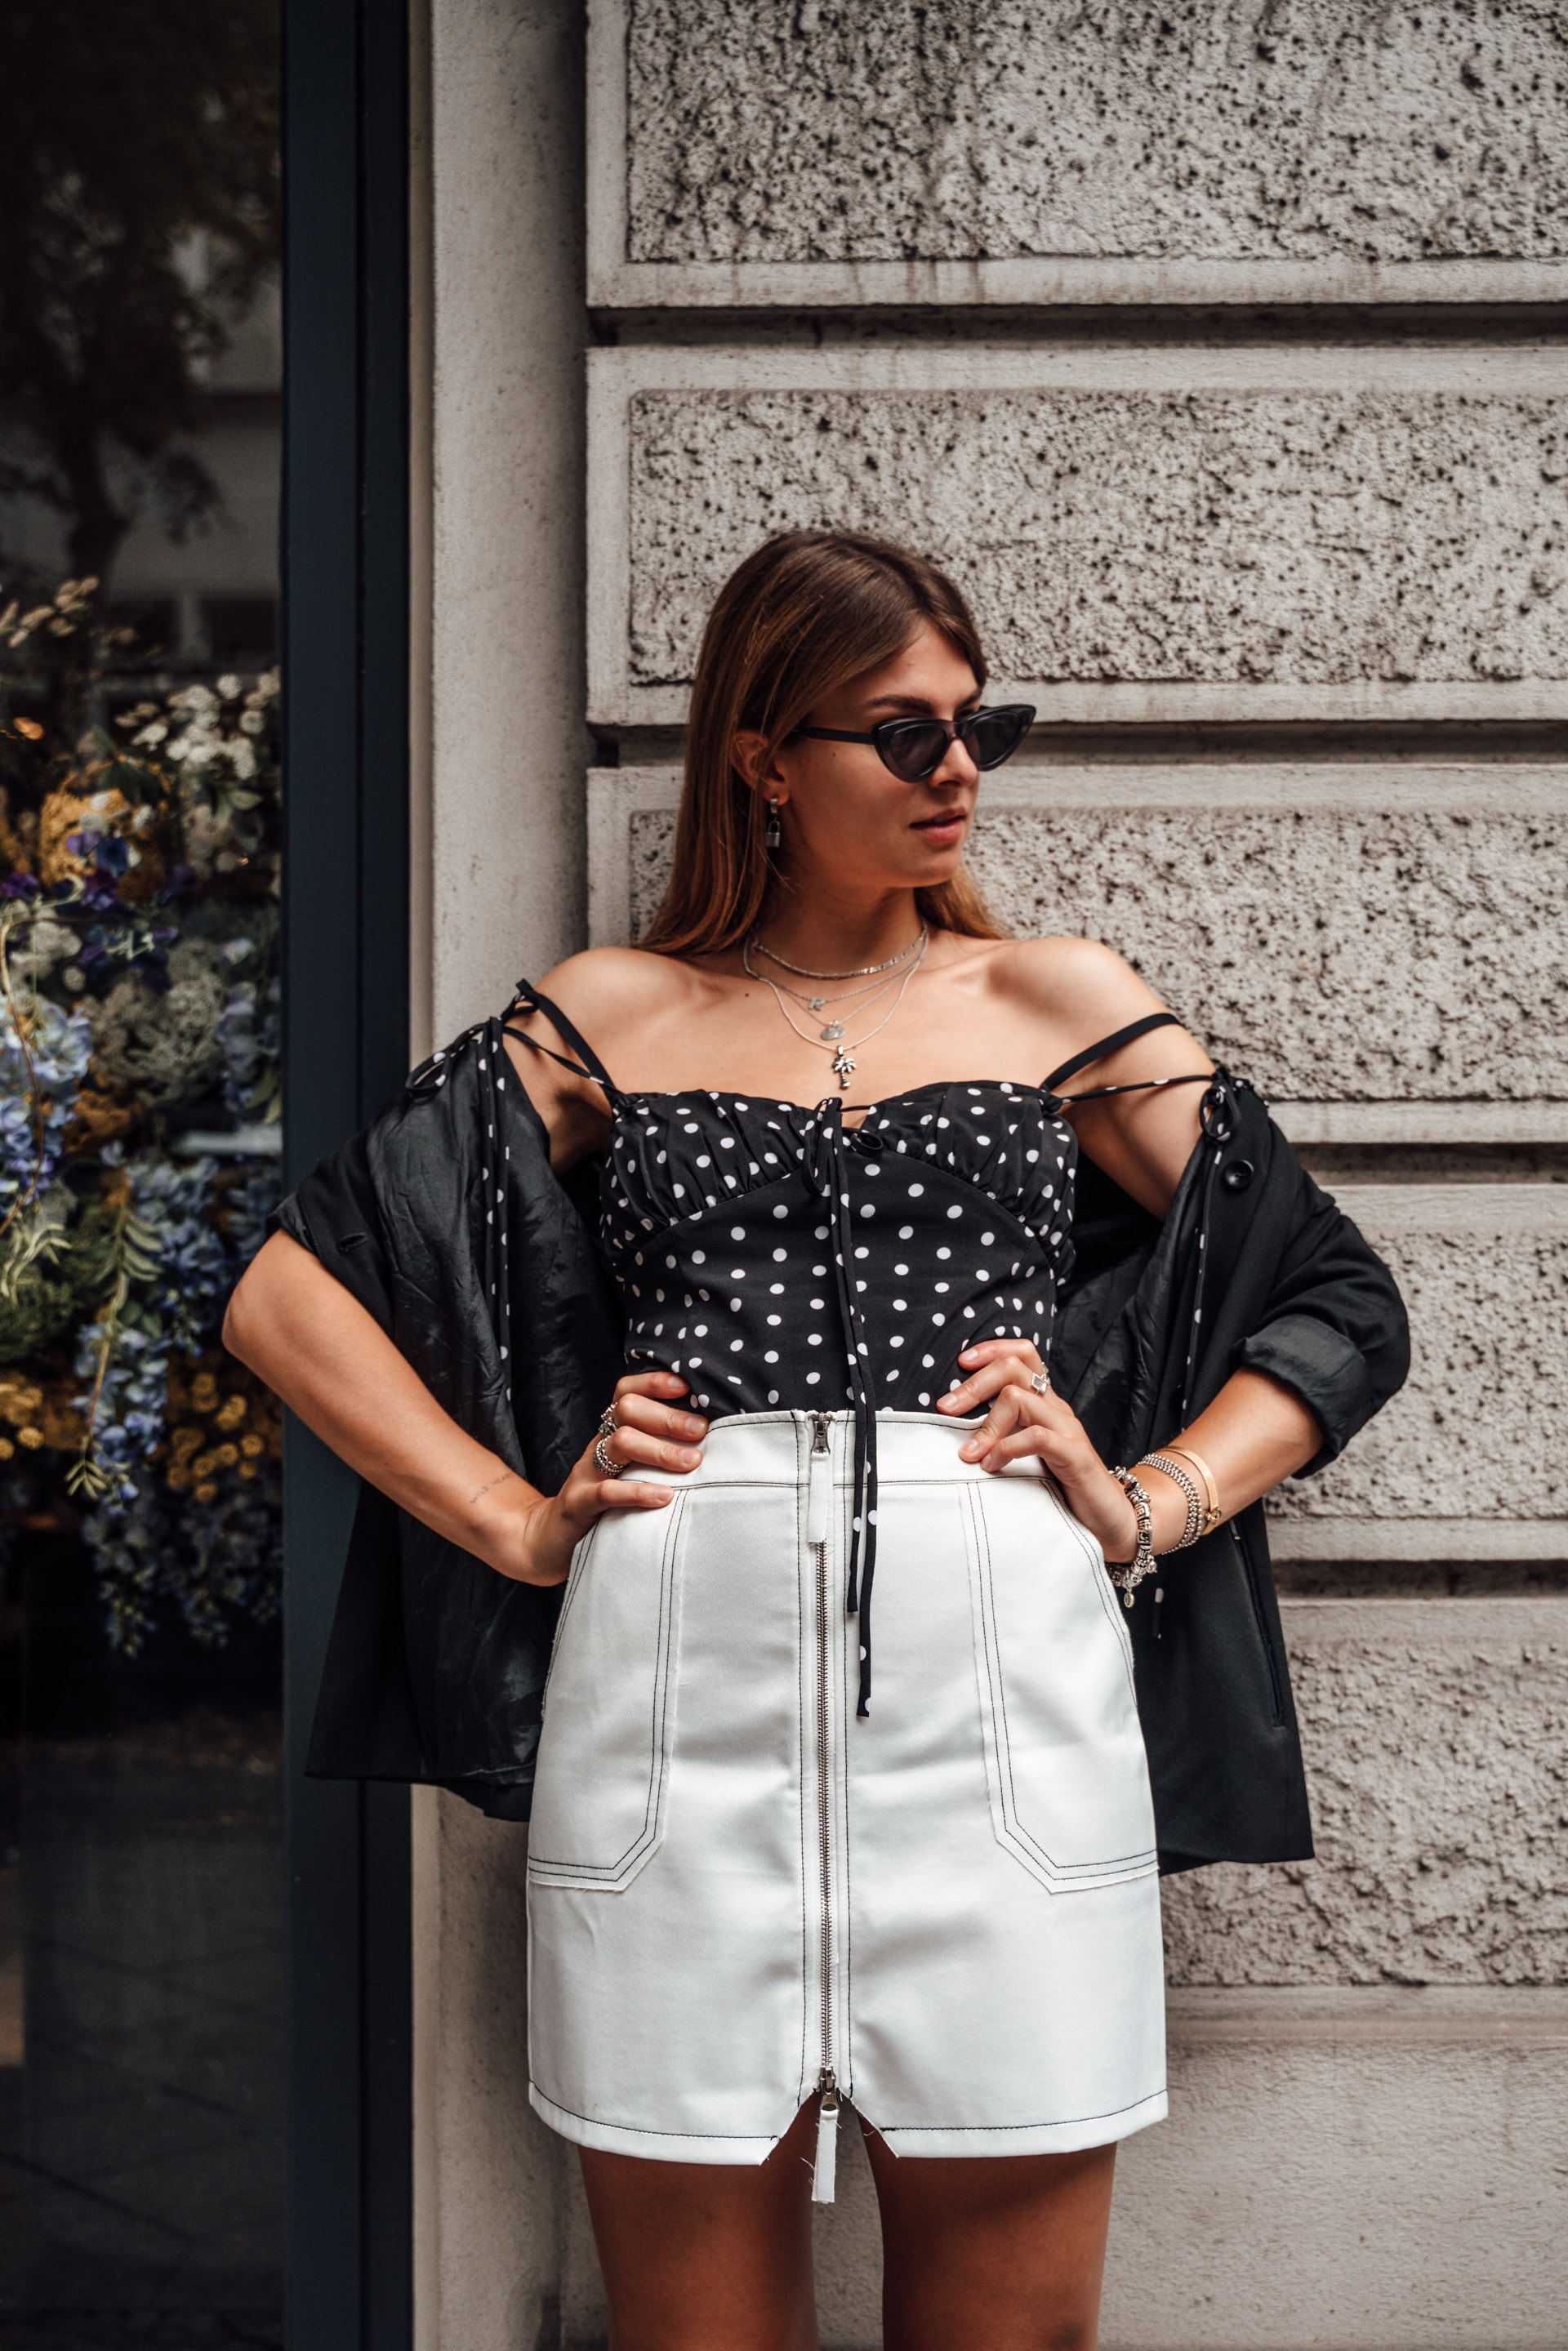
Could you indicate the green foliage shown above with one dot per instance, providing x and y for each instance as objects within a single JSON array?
[{"x": 57, "y": 1267}]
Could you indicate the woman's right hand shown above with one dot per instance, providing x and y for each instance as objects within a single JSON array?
[{"x": 531, "y": 1539}]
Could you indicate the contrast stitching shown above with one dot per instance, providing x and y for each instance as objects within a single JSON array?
[
  {"x": 1026, "y": 1845},
  {"x": 646, "y": 2130},
  {"x": 1055, "y": 2122},
  {"x": 662, "y": 1698}
]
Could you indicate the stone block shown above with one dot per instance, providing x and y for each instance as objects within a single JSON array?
[
  {"x": 1437, "y": 1760},
  {"x": 1103, "y": 537},
  {"x": 1476, "y": 1432},
  {"x": 1156, "y": 537},
  {"x": 805, "y": 131}
]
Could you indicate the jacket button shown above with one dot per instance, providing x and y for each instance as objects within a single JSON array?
[{"x": 1237, "y": 1176}]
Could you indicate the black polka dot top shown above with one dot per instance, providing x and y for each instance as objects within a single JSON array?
[
  {"x": 720, "y": 1214},
  {"x": 779, "y": 1261}
]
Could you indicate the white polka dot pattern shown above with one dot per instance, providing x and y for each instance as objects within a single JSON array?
[{"x": 963, "y": 1197}]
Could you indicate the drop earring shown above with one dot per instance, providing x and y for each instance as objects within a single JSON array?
[{"x": 775, "y": 833}]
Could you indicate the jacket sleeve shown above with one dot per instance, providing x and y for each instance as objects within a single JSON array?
[
  {"x": 1334, "y": 1329},
  {"x": 335, "y": 1213}
]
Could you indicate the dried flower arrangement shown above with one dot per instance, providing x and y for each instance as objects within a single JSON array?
[{"x": 139, "y": 1100}]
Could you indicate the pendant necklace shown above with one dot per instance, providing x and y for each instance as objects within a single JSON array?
[
  {"x": 831, "y": 1028},
  {"x": 843, "y": 1062},
  {"x": 860, "y": 971},
  {"x": 834, "y": 1026}
]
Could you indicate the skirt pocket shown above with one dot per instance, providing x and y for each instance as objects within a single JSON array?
[
  {"x": 1065, "y": 1765},
  {"x": 609, "y": 1708}
]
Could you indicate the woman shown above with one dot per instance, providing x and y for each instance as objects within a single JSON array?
[{"x": 777, "y": 1862}]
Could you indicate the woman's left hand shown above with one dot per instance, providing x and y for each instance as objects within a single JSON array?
[{"x": 1024, "y": 1421}]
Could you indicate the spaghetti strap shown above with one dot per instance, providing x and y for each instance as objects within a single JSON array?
[
  {"x": 1109, "y": 1045},
  {"x": 527, "y": 996}
]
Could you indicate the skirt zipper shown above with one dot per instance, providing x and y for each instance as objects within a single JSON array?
[{"x": 819, "y": 1491}]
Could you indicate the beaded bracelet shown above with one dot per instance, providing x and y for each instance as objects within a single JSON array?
[{"x": 1127, "y": 1575}]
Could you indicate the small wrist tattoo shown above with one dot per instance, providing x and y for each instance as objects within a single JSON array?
[{"x": 480, "y": 1491}]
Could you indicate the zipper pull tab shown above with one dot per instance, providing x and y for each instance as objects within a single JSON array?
[
  {"x": 819, "y": 1483},
  {"x": 827, "y": 2139}
]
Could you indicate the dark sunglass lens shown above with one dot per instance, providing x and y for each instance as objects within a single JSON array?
[
  {"x": 996, "y": 735},
  {"x": 912, "y": 747}
]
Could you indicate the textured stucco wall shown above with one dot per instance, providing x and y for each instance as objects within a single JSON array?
[
  {"x": 1326, "y": 953},
  {"x": 1476, "y": 1431},
  {"x": 494, "y": 2171},
  {"x": 1237, "y": 537},
  {"x": 828, "y": 130},
  {"x": 1438, "y": 1769}
]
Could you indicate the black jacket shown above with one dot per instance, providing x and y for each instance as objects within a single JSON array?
[{"x": 436, "y": 1663}]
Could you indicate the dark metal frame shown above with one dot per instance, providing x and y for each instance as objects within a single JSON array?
[{"x": 345, "y": 1018}]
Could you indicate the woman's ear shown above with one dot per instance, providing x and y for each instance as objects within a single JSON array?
[{"x": 749, "y": 757}]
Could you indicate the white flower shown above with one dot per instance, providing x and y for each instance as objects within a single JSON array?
[{"x": 229, "y": 686}]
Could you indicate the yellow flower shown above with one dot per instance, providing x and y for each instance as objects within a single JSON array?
[
  {"x": 247, "y": 1470},
  {"x": 206, "y": 1493},
  {"x": 233, "y": 1412},
  {"x": 31, "y": 1438},
  {"x": 203, "y": 1465},
  {"x": 7, "y": 1449},
  {"x": 19, "y": 1399},
  {"x": 226, "y": 1456},
  {"x": 251, "y": 1445}
]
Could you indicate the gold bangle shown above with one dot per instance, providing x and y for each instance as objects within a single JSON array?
[{"x": 1214, "y": 1514}]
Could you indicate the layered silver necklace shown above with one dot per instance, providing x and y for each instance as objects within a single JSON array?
[{"x": 830, "y": 1035}]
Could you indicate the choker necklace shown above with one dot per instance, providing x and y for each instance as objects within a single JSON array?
[
  {"x": 843, "y": 1063},
  {"x": 860, "y": 971}
]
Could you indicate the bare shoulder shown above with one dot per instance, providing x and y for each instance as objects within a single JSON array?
[
  {"x": 605, "y": 989},
  {"x": 1079, "y": 992},
  {"x": 1077, "y": 986}
]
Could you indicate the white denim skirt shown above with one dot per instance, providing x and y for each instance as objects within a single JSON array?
[{"x": 742, "y": 1897}]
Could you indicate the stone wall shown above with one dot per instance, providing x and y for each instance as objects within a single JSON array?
[
  {"x": 805, "y": 131},
  {"x": 1232, "y": 537},
  {"x": 1167, "y": 532},
  {"x": 1435, "y": 1733}
]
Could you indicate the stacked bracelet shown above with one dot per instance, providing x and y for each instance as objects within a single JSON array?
[
  {"x": 1189, "y": 1487},
  {"x": 1213, "y": 1515},
  {"x": 1128, "y": 1576}
]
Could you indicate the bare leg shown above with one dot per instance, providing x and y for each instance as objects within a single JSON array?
[
  {"x": 998, "y": 2253},
  {"x": 705, "y": 2256}
]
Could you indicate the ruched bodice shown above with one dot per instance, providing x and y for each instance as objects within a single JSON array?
[{"x": 718, "y": 1214}]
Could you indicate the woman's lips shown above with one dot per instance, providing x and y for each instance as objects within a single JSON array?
[{"x": 948, "y": 821}]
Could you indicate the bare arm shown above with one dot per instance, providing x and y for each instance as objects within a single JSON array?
[{"x": 300, "y": 1330}]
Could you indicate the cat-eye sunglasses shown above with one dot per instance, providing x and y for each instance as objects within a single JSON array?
[{"x": 914, "y": 748}]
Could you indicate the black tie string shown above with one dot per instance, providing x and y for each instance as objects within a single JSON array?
[{"x": 827, "y": 1172}]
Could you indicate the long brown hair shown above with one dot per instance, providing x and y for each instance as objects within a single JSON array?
[{"x": 805, "y": 612}]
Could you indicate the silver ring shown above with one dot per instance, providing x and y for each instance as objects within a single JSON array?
[
  {"x": 1041, "y": 1383},
  {"x": 607, "y": 1423},
  {"x": 602, "y": 1461}
]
